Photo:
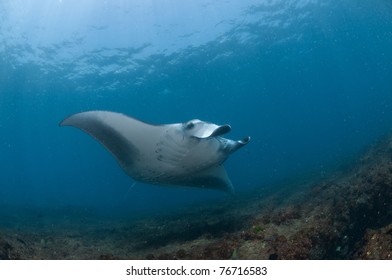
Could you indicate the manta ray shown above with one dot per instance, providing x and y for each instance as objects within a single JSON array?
[{"x": 180, "y": 154}]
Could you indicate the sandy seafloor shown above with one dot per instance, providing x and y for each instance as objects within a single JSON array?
[{"x": 345, "y": 215}]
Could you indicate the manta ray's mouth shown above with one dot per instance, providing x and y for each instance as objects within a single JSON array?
[{"x": 223, "y": 129}]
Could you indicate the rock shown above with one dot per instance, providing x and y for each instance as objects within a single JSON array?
[{"x": 5, "y": 250}]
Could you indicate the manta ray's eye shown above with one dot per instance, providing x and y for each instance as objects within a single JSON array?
[{"x": 189, "y": 125}]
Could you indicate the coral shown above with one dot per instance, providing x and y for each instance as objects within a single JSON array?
[
  {"x": 377, "y": 244},
  {"x": 286, "y": 214}
]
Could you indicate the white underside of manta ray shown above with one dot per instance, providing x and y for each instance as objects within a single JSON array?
[{"x": 180, "y": 154}]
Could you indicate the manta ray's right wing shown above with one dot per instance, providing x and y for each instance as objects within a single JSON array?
[{"x": 123, "y": 136}]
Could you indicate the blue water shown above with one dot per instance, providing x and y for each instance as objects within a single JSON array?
[{"x": 309, "y": 81}]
